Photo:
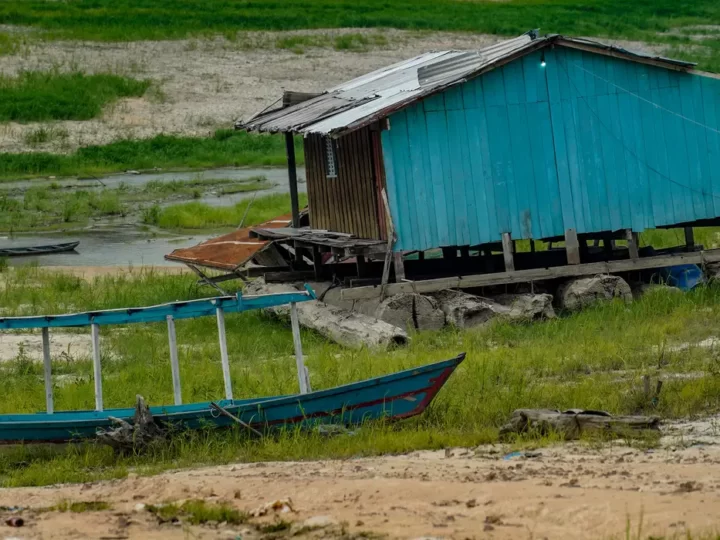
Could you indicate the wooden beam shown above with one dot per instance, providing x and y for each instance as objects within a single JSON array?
[
  {"x": 399, "y": 266},
  {"x": 689, "y": 239},
  {"x": 524, "y": 276},
  {"x": 292, "y": 179},
  {"x": 632, "y": 240},
  {"x": 508, "y": 252},
  {"x": 572, "y": 247},
  {"x": 449, "y": 252},
  {"x": 617, "y": 54}
]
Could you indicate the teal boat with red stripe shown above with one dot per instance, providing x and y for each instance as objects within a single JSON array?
[{"x": 395, "y": 396}]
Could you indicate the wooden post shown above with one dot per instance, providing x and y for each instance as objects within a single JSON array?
[
  {"x": 572, "y": 247},
  {"x": 174, "y": 363},
  {"x": 632, "y": 240},
  {"x": 303, "y": 377},
  {"x": 508, "y": 252},
  {"x": 465, "y": 251},
  {"x": 292, "y": 178},
  {"x": 399, "y": 266},
  {"x": 689, "y": 239},
  {"x": 449, "y": 252},
  {"x": 48, "y": 371},
  {"x": 317, "y": 262},
  {"x": 362, "y": 266},
  {"x": 223, "y": 352},
  {"x": 97, "y": 371}
]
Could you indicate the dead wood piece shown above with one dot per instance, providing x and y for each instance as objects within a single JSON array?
[
  {"x": 572, "y": 423},
  {"x": 135, "y": 437},
  {"x": 350, "y": 329}
]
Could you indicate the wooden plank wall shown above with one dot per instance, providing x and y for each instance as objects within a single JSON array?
[{"x": 347, "y": 203}]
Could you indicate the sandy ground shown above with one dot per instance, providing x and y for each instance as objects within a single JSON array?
[
  {"x": 204, "y": 84},
  {"x": 569, "y": 491}
]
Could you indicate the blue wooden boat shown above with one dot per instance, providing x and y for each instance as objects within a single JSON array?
[
  {"x": 396, "y": 396},
  {"x": 399, "y": 395}
]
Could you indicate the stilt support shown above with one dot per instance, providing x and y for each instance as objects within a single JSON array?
[
  {"x": 632, "y": 240},
  {"x": 508, "y": 252},
  {"x": 572, "y": 247}
]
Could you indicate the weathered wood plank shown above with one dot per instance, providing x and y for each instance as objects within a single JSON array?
[
  {"x": 508, "y": 252},
  {"x": 523, "y": 276},
  {"x": 47, "y": 371},
  {"x": 633, "y": 244},
  {"x": 572, "y": 247}
]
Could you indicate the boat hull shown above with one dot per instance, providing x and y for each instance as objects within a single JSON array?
[
  {"x": 38, "y": 250},
  {"x": 396, "y": 396}
]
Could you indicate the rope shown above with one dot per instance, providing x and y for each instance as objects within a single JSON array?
[
  {"x": 656, "y": 105},
  {"x": 629, "y": 150}
]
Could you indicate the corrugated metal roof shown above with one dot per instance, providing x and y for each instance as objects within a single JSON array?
[{"x": 371, "y": 97}]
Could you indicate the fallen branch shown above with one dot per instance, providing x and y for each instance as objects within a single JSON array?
[{"x": 572, "y": 423}]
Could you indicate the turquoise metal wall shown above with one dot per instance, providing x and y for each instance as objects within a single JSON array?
[{"x": 588, "y": 142}]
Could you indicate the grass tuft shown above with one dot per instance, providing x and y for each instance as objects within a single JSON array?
[
  {"x": 196, "y": 215},
  {"x": 79, "y": 507},
  {"x": 41, "y": 96},
  {"x": 198, "y": 512}
]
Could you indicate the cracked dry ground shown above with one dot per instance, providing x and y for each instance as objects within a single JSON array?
[{"x": 567, "y": 491}]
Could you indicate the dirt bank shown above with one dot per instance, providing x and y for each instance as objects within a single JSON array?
[
  {"x": 205, "y": 84},
  {"x": 570, "y": 491}
]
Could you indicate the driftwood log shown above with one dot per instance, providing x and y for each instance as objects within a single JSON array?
[
  {"x": 572, "y": 423},
  {"x": 350, "y": 329},
  {"x": 135, "y": 437}
]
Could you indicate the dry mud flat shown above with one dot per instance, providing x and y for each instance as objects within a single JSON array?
[
  {"x": 567, "y": 491},
  {"x": 201, "y": 85}
]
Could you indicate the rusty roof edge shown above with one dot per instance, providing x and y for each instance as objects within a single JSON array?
[{"x": 632, "y": 55}]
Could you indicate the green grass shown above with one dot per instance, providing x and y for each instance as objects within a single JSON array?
[
  {"x": 108, "y": 20},
  {"x": 224, "y": 148},
  {"x": 199, "y": 512},
  {"x": 52, "y": 207},
  {"x": 79, "y": 507},
  {"x": 594, "y": 359},
  {"x": 196, "y": 215},
  {"x": 43, "y": 96}
]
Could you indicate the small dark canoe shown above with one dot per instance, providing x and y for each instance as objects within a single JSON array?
[
  {"x": 38, "y": 250},
  {"x": 395, "y": 396}
]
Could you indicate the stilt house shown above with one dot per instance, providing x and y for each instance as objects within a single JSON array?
[{"x": 534, "y": 138}]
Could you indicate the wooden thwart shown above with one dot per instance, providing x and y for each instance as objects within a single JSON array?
[{"x": 525, "y": 276}]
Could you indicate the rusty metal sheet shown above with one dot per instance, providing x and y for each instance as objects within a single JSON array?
[{"x": 229, "y": 251}]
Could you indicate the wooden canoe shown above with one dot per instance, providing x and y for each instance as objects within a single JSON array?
[
  {"x": 396, "y": 396},
  {"x": 38, "y": 250}
]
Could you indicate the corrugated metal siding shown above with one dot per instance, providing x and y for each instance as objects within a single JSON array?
[
  {"x": 534, "y": 151},
  {"x": 347, "y": 203}
]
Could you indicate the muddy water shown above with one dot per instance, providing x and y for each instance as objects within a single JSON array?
[{"x": 120, "y": 243}]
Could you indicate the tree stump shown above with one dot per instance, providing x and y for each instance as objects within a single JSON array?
[{"x": 136, "y": 437}]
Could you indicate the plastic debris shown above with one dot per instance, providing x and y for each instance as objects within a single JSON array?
[
  {"x": 280, "y": 505},
  {"x": 15, "y": 522}
]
